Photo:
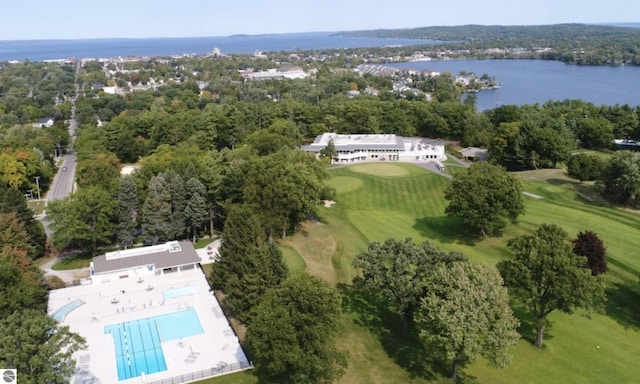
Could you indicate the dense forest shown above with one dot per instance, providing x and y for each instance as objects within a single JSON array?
[{"x": 571, "y": 43}]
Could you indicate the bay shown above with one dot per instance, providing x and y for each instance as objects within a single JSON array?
[
  {"x": 538, "y": 81},
  {"x": 39, "y": 50}
]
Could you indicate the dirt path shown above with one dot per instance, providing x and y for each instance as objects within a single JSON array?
[{"x": 68, "y": 276}]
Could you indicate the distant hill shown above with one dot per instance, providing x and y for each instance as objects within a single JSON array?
[{"x": 505, "y": 34}]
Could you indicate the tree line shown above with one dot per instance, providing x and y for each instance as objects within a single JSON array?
[{"x": 580, "y": 44}]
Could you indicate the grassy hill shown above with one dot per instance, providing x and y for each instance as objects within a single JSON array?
[{"x": 377, "y": 201}]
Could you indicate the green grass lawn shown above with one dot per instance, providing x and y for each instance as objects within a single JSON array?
[
  {"x": 80, "y": 260},
  {"x": 37, "y": 206},
  {"x": 409, "y": 203}
]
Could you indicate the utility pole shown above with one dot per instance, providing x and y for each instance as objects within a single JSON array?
[{"x": 38, "y": 185}]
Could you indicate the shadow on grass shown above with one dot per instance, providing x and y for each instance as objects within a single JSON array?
[
  {"x": 400, "y": 342},
  {"x": 562, "y": 182},
  {"x": 73, "y": 261},
  {"x": 447, "y": 229},
  {"x": 623, "y": 304},
  {"x": 527, "y": 328}
]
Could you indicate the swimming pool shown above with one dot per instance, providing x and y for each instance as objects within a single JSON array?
[
  {"x": 177, "y": 292},
  {"x": 64, "y": 311},
  {"x": 138, "y": 342}
]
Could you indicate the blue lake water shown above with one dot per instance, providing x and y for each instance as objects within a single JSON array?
[
  {"x": 537, "y": 81},
  {"x": 37, "y": 50},
  {"x": 521, "y": 81}
]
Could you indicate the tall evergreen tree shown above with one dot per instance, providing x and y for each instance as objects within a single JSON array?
[
  {"x": 20, "y": 281},
  {"x": 12, "y": 200},
  {"x": 175, "y": 185},
  {"x": 195, "y": 213},
  {"x": 248, "y": 264},
  {"x": 156, "y": 212},
  {"x": 128, "y": 211}
]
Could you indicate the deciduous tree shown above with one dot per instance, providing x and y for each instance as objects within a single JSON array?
[
  {"x": 466, "y": 313},
  {"x": 584, "y": 166},
  {"x": 87, "y": 219},
  {"x": 485, "y": 197},
  {"x": 292, "y": 338},
  {"x": 546, "y": 276},
  {"x": 620, "y": 178},
  {"x": 398, "y": 270},
  {"x": 285, "y": 187},
  {"x": 40, "y": 349},
  {"x": 589, "y": 245}
]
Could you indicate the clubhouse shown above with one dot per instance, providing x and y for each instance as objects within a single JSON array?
[
  {"x": 351, "y": 148},
  {"x": 137, "y": 263}
]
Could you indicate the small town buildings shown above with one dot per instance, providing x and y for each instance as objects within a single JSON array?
[
  {"x": 44, "y": 122},
  {"x": 351, "y": 148},
  {"x": 475, "y": 154},
  {"x": 284, "y": 72}
]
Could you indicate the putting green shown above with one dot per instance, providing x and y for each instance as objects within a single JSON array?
[
  {"x": 344, "y": 184},
  {"x": 380, "y": 169}
]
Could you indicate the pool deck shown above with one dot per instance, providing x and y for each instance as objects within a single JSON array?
[{"x": 217, "y": 349}]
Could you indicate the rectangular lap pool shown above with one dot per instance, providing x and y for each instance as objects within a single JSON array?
[{"x": 138, "y": 342}]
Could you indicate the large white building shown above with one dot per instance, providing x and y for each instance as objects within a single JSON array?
[{"x": 353, "y": 148}]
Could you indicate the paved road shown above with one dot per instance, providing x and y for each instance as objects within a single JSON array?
[{"x": 63, "y": 181}]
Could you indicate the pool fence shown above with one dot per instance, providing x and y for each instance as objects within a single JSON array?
[{"x": 220, "y": 369}]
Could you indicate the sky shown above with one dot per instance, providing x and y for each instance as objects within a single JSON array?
[{"x": 82, "y": 19}]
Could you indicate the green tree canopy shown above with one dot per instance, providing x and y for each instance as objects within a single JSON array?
[
  {"x": 12, "y": 201},
  {"x": 398, "y": 270},
  {"x": 20, "y": 280},
  {"x": 127, "y": 211},
  {"x": 546, "y": 275},
  {"x": 584, "y": 166},
  {"x": 248, "y": 265},
  {"x": 40, "y": 349},
  {"x": 466, "y": 313},
  {"x": 87, "y": 219},
  {"x": 485, "y": 197},
  {"x": 156, "y": 211},
  {"x": 620, "y": 178},
  {"x": 285, "y": 187},
  {"x": 102, "y": 170},
  {"x": 292, "y": 337}
]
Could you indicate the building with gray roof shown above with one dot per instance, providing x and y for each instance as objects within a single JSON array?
[{"x": 173, "y": 256}]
